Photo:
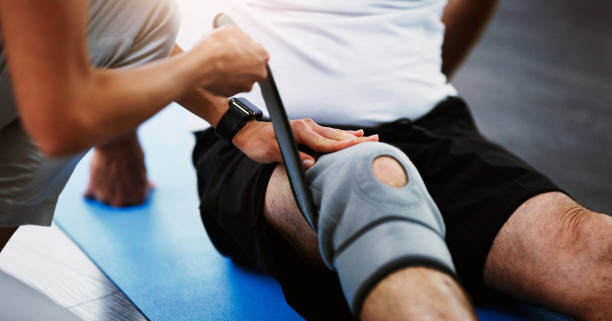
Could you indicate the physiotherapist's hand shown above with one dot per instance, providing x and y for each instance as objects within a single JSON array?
[
  {"x": 118, "y": 176},
  {"x": 236, "y": 60},
  {"x": 258, "y": 140}
]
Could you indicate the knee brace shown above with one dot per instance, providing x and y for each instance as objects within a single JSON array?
[{"x": 368, "y": 229}]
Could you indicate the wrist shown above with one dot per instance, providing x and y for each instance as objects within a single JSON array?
[
  {"x": 205, "y": 105},
  {"x": 242, "y": 136},
  {"x": 239, "y": 113}
]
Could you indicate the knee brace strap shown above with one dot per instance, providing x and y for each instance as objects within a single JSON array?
[{"x": 368, "y": 229}]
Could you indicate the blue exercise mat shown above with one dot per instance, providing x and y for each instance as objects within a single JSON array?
[{"x": 158, "y": 254}]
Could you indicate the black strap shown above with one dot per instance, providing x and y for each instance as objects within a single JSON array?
[{"x": 231, "y": 122}]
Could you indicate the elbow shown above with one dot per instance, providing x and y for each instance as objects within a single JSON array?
[{"x": 56, "y": 147}]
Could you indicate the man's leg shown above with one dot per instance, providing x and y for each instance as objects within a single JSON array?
[
  {"x": 413, "y": 293},
  {"x": 5, "y": 235},
  {"x": 556, "y": 252}
]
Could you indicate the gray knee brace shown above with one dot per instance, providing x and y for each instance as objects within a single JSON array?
[{"x": 368, "y": 229}]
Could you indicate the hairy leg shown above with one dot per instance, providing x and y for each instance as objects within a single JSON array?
[
  {"x": 395, "y": 297},
  {"x": 438, "y": 297},
  {"x": 5, "y": 235},
  {"x": 558, "y": 253},
  {"x": 283, "y": 215}
]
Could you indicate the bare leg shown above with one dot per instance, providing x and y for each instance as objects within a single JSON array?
[
  {"x": 5, "y": 235},
  {"x": 438, "y": 296},
  {"x": 555, "y": 252}
]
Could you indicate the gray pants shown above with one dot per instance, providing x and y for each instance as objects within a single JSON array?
[{"x": 120, "y": 34}]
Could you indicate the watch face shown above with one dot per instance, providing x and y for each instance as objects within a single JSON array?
[
  {"x": 241, "y": 108},
  {"x": 247, "y": 107}
]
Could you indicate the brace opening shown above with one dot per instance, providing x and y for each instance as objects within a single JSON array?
[{"x": 389, "y": 171}]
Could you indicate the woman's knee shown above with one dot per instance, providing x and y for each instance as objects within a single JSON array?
[{"x": 131, "y": 33}]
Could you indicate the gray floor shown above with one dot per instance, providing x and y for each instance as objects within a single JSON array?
[{"x": 540, "y": 83}]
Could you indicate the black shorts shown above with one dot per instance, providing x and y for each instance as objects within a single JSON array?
[{"x": 476, "y": 184}]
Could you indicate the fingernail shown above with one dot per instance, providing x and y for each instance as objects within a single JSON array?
[{"x": 308, "y": 162}]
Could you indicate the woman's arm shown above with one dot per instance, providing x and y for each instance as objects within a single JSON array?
[
  {"x": 465, "y": 22},
  {"x": 66, "y": 105}
]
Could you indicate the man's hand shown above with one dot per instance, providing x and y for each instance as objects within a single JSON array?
[
  {"x": 258, "y": 140},
  {"x": 118, "y": 175},
  {"x": 237, "y": 61}
]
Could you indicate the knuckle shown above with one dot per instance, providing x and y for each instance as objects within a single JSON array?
[
  {"x": 309, "y": 121},
  {"x": 263, "y": 73},
  {"x": 299, "y": 124},
  {"x": 271, "y": 151}
]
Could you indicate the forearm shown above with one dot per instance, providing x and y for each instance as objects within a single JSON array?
[
  {"x": 109, "y": 103},
  {"x": 205, "y": 105},
  {"x": 66, "y": 105},
  {"x": 202, "y": 103},
  {"x": 465, "y": 22}
]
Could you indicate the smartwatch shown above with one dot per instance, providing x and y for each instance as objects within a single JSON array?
[{"x": 239, "y": 113}]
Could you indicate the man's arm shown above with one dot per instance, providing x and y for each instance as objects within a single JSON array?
[
  {"x": 465, "y": 22},
  {"x": 67, "y": 105},
  {"x": 257, "y": 139}
]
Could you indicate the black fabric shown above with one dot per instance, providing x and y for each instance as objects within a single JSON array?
[{"x": 476, "y": 184}]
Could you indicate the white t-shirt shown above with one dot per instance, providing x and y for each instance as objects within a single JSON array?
[{"x": 349, "y": 62}]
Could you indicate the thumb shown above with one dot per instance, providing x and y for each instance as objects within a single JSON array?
[{"x": 307, "y": 160}]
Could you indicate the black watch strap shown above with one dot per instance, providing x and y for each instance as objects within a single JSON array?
[{"x": 239, "y": 113}]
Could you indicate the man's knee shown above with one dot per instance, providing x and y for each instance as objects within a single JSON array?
[
  {"x": 553, "y": 245},
  {"x": 375, "y": 216},
  {"x": 389, "y": 171},
  {"x": 586, "y": 232},
  {"x": 567, "y": 225}
]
